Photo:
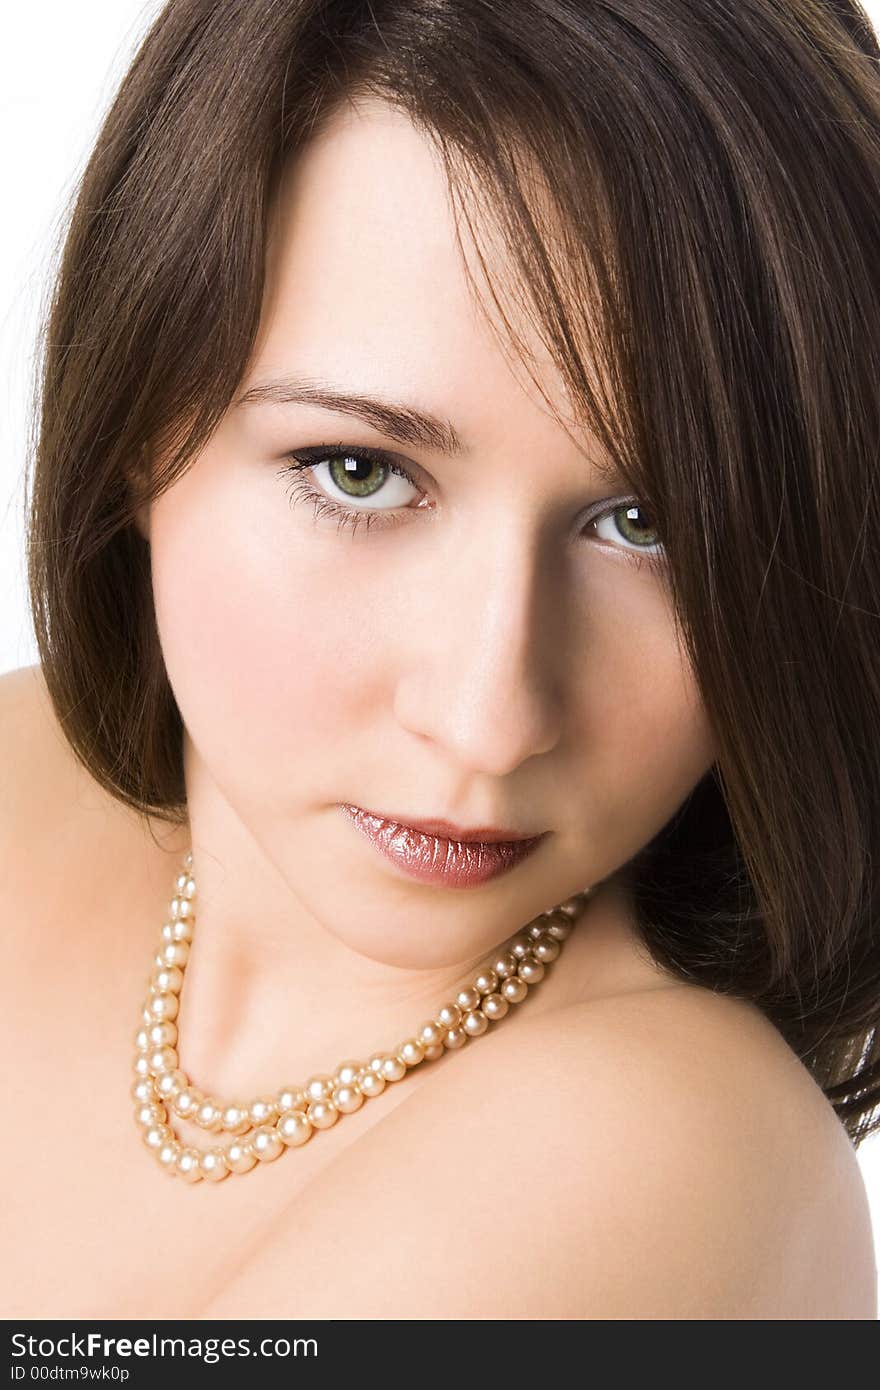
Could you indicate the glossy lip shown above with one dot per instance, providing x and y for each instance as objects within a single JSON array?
[
  {"x": 450, "y": 863},
  {"x": 446, "y": 830}
]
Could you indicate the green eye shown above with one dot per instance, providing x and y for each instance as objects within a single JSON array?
[
  {"x": 626, "y": 520},
  {"x": 382, "y": 487},
  {"x": 385, "y": 491},
  {"x": 355, "y": 475}
]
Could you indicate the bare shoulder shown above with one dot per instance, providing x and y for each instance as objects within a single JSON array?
[
  {"x": 41, "y": 826},
  {"x": 23, "y": 714},
  {"x": 660, "y": 1155},
  {"x": 697, "y": 1169},
  {"x": 39, "y": 768},
  {"x": 59, "y": 829},
  {"x": 47, "y": 790}
]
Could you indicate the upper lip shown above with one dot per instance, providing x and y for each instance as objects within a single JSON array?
[{"x": 447, "y": 830}]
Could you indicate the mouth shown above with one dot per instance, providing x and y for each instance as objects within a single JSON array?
[{"x": 432, "y": 857}]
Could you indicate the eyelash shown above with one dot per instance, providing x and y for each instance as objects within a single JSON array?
[{"x": 300, "y": 489}]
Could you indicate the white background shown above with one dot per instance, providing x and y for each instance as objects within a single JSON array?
[{"x": 59, "y": 66}]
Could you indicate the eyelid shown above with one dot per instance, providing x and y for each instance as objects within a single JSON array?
[
  {"x": 311, "y": 455},
  {"x": 347, "y": 514},
  {"x": 314, "y": 454}
]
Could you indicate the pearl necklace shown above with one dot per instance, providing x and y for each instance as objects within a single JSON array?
[{"x": 263, "y": 1129}]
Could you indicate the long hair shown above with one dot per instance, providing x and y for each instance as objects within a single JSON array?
[{"x": 689, "y": 191}]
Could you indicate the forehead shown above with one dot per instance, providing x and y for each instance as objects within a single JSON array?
[{"x": 367, "y": 281}]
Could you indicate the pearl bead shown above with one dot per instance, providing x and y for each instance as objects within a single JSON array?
[
  {"x": 320, "y": 1086},
  {"x": 266, "y": 1143},
  {"x": 169, "y": 1083},
  {"x": 187, "y": 1102},
  {"x": 163, "y": 1034},
  {"x": 449, "y": 1016},
  {"x": 235, "y": 1118},
  {"x": 573, "y": 907},
  {"x": 262, "y": 1110},
  {"x": 163, "y": 1059},
  {"x": 505, "y": 965},
  {"x": 167, "y": 1156},
  {"x": 372, "y": 1083},
  {"x": 291, "y": 1098},
  {"x": 467, "y": 999},
  {"x": 142, "y": 1064},
  {"x": 431, "y": 1033},
  {"x": 209, "y": 1115},
  {"x": 173, "y": 932},
  {"x": 174, "y": 953},
  {"x": 559, "y": 924},
  {"x": 213, "y": 1164},
  {"x": 163, "y": 1006},
  {"x": 288, "y": 1119},
  {"x": 411, "y": 1052},
  {"x": 546, "y": 948},
  {"x": 322, "y": 1113},
  {"x": 240, "y": 1156},
  {"x": 475, "y": 1023},
  {"x": 167, "y": 979},
  {"x": 531, "y": 970},
  {"x": 152, "y": 1113},
  {"x": 157, "y": 1135},
  {"x": 392, "y": 1068},
  {"x": 514, "y": 990},
  {"x": 347, "y": 1073},
  {"x": 185, "y": 886},
  {"x": 294, "y": 1128},
  {"x": 494, "y": 1006},
  {"x": 188, "y": 1166},
  {"x": 347, "y": 1099}
]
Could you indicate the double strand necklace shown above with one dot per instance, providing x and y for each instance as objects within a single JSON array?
[{"x": 260, "y": 1131}]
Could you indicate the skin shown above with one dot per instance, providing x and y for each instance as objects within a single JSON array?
[
  {"x": 315, "y": 667},
  {"x": 490, "y": 659}
]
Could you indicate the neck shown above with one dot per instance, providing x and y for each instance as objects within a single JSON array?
[{"x": 276, "y": 990}]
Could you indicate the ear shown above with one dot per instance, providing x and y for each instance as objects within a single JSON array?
[
  {"x": 137, "y": 476},
  {"x": 142, "y": 521}
]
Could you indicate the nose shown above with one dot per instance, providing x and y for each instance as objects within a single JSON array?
[{"x": 483, "y": 670}]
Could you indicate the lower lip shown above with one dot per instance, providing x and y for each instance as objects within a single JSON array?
[{"x": 449, "y": 863}]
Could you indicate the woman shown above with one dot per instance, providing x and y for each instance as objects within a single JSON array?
[{"x": 450, "y": 567}]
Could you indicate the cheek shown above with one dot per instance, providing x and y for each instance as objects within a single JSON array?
[
  {"x": 266, "y": 647},
  {"x": 647, "y": 740}
]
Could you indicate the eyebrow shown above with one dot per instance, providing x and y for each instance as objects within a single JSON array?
[{"x": 404, "y": 423}]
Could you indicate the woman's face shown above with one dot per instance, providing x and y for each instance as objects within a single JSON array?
[{"x": 485, "y": 650}]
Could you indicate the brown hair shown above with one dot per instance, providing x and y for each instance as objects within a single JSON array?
[{"x": 706, "y": 274}]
